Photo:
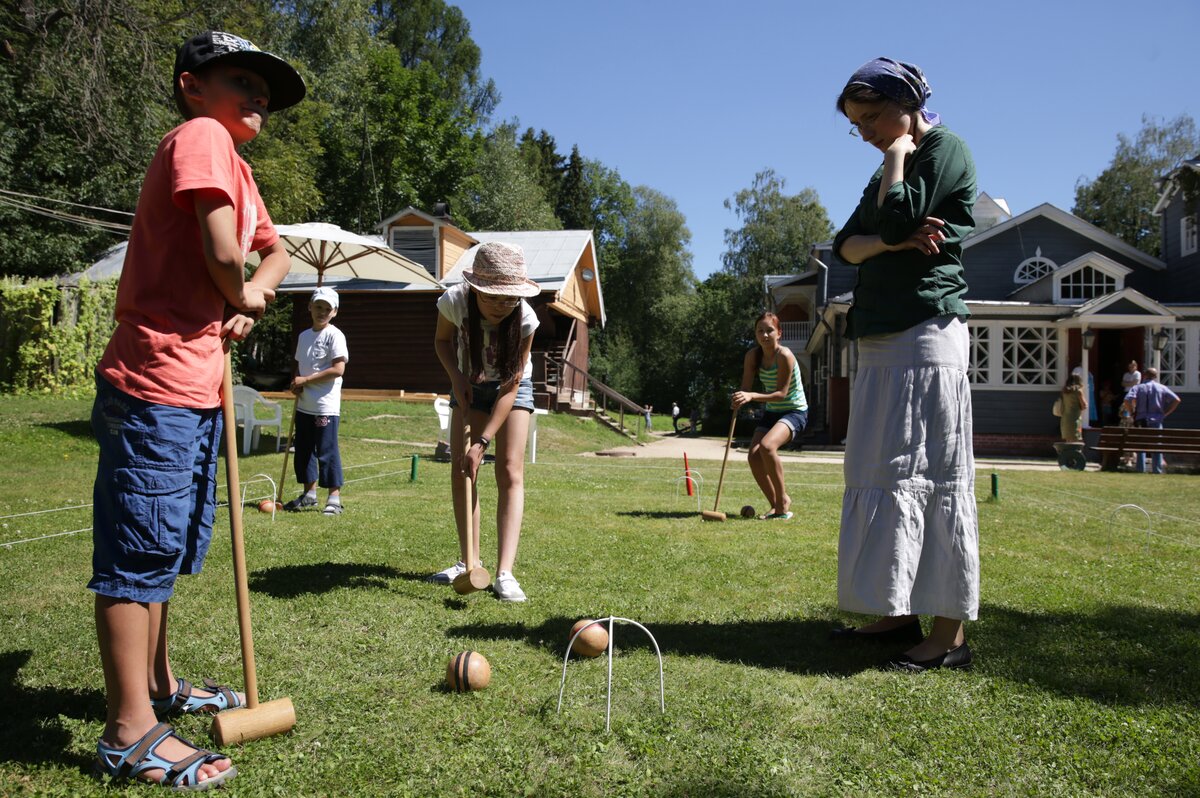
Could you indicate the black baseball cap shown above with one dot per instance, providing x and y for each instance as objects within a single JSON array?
[{"x": 287, "y": 87}]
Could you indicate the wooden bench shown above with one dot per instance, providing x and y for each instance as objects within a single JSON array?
[{"x": 1116, "y": 442}]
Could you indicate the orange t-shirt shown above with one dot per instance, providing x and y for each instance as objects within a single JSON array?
[{"x": 166, "y": 348}]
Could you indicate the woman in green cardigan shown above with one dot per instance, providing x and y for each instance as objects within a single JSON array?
[{"x": 909, "y": 536}]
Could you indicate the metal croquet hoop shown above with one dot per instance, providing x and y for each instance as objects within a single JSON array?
[
  {"x": 662, "y": 700},
  {"x": 697, "y": 483},
  {"x": 1149, "y": 522}
]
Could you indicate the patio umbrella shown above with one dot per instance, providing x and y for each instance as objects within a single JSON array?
[{"x": 319, "y": 248}]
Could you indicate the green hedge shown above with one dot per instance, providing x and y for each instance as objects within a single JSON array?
[{"x": 51, "y": 335}]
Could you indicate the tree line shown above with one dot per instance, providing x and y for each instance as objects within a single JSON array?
[{"x": 398, "y": 113}]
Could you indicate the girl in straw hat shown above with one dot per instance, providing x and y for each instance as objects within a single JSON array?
[{"x": 484, "y": 335}]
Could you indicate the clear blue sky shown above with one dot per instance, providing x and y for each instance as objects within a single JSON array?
[{"x": 692, "y": 98}]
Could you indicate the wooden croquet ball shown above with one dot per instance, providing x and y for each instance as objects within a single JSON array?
[
  {"x": 747, "y": 511},
  {"x": 468, "y": 671},
  {"x": 266, "y": 506},
  {"x": 592, "y": 642}
]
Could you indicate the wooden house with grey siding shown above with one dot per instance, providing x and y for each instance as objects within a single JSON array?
[
  {"x": 389, "y": 326},
  {"x": 1047, "y": 292}
]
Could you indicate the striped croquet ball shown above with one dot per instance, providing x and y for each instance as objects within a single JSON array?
[{"x": 468, "y": 671}]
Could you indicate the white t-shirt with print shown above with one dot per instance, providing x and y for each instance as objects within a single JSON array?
[
  {"x": 453, "y": 305},
  {"x": 316, "y": 351}
]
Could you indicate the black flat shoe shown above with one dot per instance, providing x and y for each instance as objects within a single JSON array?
[
  {"x": 908, "y": 633},
  {"x": 954, "y": 659}
]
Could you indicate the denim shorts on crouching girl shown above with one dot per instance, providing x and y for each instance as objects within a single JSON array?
[
  {"x": 483, "y": 396},
  {"x": 155, "y": 494},
  {"x": 795, "y": 420}
]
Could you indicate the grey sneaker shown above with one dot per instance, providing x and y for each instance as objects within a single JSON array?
[
  {"x": 449, "y": 575},
  {"x": 507, "y": 588},
  {"x": 301, "y": 502}
]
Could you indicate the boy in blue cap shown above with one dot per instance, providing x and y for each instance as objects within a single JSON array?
[{"x": 157, "y": 416}]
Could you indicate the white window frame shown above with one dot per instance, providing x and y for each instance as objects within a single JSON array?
[
  {"x": 1173, "y": 370},
  {"x": 1037, "y": 264},
  {"x": 980, "y": 365},
  {"x": 1118, "y": 283},
  {"x": 991, "y": 375},
  {"x": 1189, "y": 240}
]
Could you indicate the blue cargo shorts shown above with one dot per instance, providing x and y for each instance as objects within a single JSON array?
[{"x": 155, "y": 495}]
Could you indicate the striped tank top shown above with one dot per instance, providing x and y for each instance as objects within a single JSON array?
[{"x": 794, "y": 400}]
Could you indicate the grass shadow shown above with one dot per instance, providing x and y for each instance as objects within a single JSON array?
[
  {"x": 797, "y": 645},
  {"x": 76, "y": 428},
  {"x": 32, "y": 731},
  {"x": 658, "y": 513},
  {"x": 290, "y": 581},
  {"x": 1119, "y": 655}
]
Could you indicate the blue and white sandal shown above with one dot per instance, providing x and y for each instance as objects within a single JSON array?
[
  {"x": 182, "y": 702},
  {"x": 127, "y": 763}
]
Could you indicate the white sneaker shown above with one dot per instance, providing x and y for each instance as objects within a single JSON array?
[
  {"x": 448, "y": 576},
  {"x": 507, "y": 588}
]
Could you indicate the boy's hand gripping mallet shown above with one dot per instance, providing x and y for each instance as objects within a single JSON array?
[
  {"x": 475, "y": 577},
  {"x": 255, "y": 720},
  {"x": 716, "y": 515}
]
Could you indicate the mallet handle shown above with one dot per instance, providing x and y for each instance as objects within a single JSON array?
[
  {"x": 287, "y": 447},
  {"x": 241, "y": 583},
  {"x": 721, "y": 479},
  {"x": 470, "y": 502}
]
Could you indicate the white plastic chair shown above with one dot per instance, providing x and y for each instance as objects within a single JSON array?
[
  {"x": 246, "y": 402},
  {"x": 442, "y": 408}
]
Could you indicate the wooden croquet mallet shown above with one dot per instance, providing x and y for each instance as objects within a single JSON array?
[
  {"x": 287, "y": 448},
  {"x": 475, "y": 577},
  {"x": 253, "y": 721},
  {"x": 717, "y": 515}
]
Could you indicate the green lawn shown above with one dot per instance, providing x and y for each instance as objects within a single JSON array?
[{"x": 1088, "y": 645}]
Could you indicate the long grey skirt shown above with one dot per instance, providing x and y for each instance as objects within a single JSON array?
[{"x": 910, "y": 535}]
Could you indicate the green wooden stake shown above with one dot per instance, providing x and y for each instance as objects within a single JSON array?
[
  {"x": 995, "y": 486},
  {"x": 412, "y": 475}
]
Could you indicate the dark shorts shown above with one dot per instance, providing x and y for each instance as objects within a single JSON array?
[
  {"x": 483, "y": 396},
  {"x": 795, "y": 420},
  {"x": 318, "y": 458},
  {"x": 155, "y": 494}
]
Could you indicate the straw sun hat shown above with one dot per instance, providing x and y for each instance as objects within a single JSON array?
[{"x": 499, "y": 269}]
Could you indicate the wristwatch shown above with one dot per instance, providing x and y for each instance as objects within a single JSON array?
[{"x": 484, "y": 441}]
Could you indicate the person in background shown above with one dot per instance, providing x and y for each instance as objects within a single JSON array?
[
  {"x": 1150, "y": 402},
  {"x": 1074, "y": 403}
]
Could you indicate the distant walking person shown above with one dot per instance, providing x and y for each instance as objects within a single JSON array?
[
  {"x": 909, "y": 542},
  {"x": 675, "y": 416},
  {"x": 1150, "y": 402}
]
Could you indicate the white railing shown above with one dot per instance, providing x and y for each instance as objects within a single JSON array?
[{"x": 796, "y": 330}]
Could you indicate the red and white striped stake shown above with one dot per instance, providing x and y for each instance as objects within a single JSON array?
[{"x": 687, "y": 473}]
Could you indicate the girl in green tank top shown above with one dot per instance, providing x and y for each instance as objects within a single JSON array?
[{"x": 786, "y": 410}]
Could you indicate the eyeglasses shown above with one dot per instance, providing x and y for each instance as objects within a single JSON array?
[{"x": 870, "y": 120}]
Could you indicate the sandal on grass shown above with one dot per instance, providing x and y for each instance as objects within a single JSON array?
[
  {"x": 182, "y": 702},
  {"x": 778, "y": 516},
  {"x": 127, "y": 763}
]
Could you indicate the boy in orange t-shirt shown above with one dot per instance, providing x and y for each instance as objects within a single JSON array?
[{"x": 157, "y": 417}]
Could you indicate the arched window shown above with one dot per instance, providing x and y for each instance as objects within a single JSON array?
[{"x": 1033, "y": 268}]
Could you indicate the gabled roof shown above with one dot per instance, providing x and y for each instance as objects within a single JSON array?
[
  {"x": 1093, "y": 259},
  {"x": 551, "y": 258},
  {"x": 1143, "y": 304},
  {"x": 1073, "y": 223},
  {"x": 411, "y": 211}
]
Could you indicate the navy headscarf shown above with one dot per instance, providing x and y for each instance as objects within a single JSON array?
[{"x": 898, "y": 81}]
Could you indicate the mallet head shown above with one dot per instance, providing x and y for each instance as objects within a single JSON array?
[
  {"x": 241, "y": 725},
  {"x": 712, "y": 515},
  {"x": 472, "y": 580}
]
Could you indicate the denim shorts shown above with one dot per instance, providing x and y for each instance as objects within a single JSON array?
[
  {"x": 155, "y": 495},
  {"x": 795, "y": 420},
  {"x": 483, "y": 396}
]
